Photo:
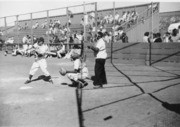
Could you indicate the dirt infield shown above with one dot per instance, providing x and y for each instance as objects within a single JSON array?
[{"x": 135, "y": 96}]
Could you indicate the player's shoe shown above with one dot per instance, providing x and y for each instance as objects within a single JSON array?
[
  {"x": 98, "y": 87},
  {"x": 82, "y": 84},
  {"x": 28, "y": 81},
  {"x": 51, "y": 81}
]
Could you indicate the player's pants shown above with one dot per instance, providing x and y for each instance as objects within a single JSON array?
[
  {"x": 100, "y": 73},
  {"x": 41, "y": 63}
]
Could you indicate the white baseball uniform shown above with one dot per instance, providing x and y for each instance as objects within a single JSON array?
[{"x": 40, "y": 61}]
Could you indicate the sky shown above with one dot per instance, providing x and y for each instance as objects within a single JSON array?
[{"x": 16, "y": 7}]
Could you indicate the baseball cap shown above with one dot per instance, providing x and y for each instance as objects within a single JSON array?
[{"x": 41, "y": 39}]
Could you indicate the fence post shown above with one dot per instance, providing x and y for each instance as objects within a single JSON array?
[
  {"x": 113, "y": 39},
  {"x": 31, "y": 28},
  {"x": 5, "y": 23},
  {"x": 96, "y": 18},
  {"x": 150, "y": 45},
  {"x": 17, "y": 21},
  {"x": 67, "y": 25}
]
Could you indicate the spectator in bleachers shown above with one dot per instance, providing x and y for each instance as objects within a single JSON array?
[
  {"x": 55, "y": 39},
  {"x": 128, "y": 16},
  {"x": 110, "y": 19},
  {"x": 1, "y": 33},
  {"x": 123, "y": 19},
  {"x": 134, "y": 17},
  {"x": 36, "y": 25},
  {"x": 120, "y": 30},
  {"x": 44, "y": 25},
  {"x": 158, "y": 38},
  {"x": 146, "y": 37},
  {"x": 117, "y": 18},
  {"x": 10, "y": 40},
  {"x": 51, "y": 23},
  {"x": 25, "y": 25},
  {"x": 19, "y": 27},
  {"x": 76, "y": 40},
  {"x": 61, "y": 51},
  {"x": 82, "y": 21}
]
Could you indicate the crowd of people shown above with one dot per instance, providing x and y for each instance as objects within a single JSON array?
[{"x": 174, "y": 36}]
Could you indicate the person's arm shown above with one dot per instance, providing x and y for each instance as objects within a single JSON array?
[
  {"x": 72, "y": 71},
  {"x": 95, "y": 49}
]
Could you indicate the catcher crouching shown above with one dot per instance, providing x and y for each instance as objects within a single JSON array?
[{"x": 79, "y": 74}]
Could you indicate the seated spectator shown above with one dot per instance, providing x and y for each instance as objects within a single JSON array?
[
  {"x": 158, "y": 38},
  {"x": 55, "y": 39},
  {"x": 17, "y": 51},
  {"x": 1, "y": 33},
  {"x": 51, "y": 23},
  {"x": 61, "y": 51},
  {"x": 25, "y": 39},
  {"x": 44, "y": 25},
  {"x": 36, "y": 25},
  {"x": 116, "y": 18},
  {"x": 146, "y": 37},
  {"x": 110, "y": 19},
  {"x": 25, "y": 25},
  {"x": 82, "y": 21},
  {"x": 128, "y": 16},
  {"x": 10, "y": 40},
  {"x": 123, "y": 19}
]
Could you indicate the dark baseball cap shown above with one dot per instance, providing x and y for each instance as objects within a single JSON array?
[{"x": 41, "y": 39}]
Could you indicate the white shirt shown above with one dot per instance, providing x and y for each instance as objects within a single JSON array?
[
  {"x": 101, "y": 45},
  {"x": 77, "y": 64},
  {"x": 145, "y": 39},
  {"x": 41, "y": 49}
]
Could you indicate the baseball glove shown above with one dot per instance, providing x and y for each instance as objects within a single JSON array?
[{"x": 62, "y": 71}]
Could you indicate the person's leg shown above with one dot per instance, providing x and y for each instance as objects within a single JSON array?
[
  {"x": 103, "y": 73},
  {"x": 33, "y": 70},
  {"x": 97, "y": 70},
  {"x": 43, "y": 66},
  {"x": 73, "y": 77}
]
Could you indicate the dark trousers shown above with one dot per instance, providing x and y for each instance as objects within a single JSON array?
[{"x": 100, "y": 74}]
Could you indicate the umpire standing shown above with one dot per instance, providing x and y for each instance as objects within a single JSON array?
[{"x": 100, "y": 53}]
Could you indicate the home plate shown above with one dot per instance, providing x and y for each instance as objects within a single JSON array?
[{"x": 25, "y": 87}]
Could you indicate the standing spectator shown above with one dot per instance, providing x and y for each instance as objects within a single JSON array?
[
  {"x": 175, "y": 37},
  {"x": 101, "y": 55},
  {"x": 158, "y": 38},
  {"x": 146, "y": 37},
  {"x": 124, "y": 38},
  {"x": 167, "y": 37}
]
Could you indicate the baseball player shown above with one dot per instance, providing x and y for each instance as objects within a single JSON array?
[
  {"x": 80, "y": 72},
  {"x": 40, "y": 62}
]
